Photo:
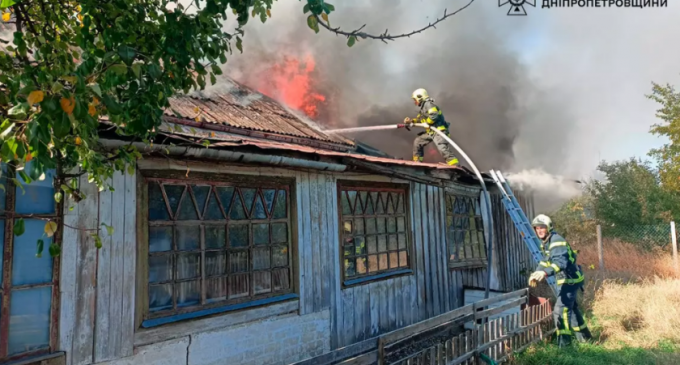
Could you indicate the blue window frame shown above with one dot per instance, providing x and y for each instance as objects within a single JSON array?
[
  {"x": 374, "y": 230},
  {"x": 215, "y": 246},
  {"x": 28, "y": 285}
]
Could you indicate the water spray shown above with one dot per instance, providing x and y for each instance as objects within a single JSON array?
[{"x": 469, "y": 161}]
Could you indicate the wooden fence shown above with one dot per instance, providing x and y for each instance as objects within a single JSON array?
[{"x": 495, "y": 333}]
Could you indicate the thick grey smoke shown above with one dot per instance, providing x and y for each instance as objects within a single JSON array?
[
  {"x": 556, "y": 91},
  {"x": 465, "y": 65}
]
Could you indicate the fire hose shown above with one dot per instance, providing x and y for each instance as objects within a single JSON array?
[{"x": 469, "y": 161}]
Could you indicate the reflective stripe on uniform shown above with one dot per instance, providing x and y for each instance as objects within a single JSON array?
[
  {"x": 557, "y": 244},
  {"x": 433, "y": 110},
  {"x": 579, "y": 328},
  {"x": 571, "y": 281},
  {"x": 565, "y": 318},
  {"x": 453, "y": 162},
  {"x": 555, "y": 267},
  {"x": 544, "y": 264},
  {"x": 564, "y": 332}
]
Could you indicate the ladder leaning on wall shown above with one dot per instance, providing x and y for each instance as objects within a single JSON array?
[{"x": 521, "y": 222}]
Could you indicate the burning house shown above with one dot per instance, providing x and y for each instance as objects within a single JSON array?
[{"x": 247, "y": 235}]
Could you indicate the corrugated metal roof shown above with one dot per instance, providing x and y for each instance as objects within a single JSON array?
[
  {"x": 224, "y": 139},
  {"x": 240, "y": 107}
]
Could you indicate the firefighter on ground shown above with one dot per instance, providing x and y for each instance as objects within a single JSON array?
[
  {"x": 560, "y": 261},
  {"x": 432, "y": 115}
]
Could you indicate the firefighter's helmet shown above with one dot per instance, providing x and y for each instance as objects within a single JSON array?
[
  {"x": 542, "y": 220},
  {"x": 419, "y": 95}
]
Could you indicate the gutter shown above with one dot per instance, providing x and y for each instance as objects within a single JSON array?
[{"x": 230, "y": 156}]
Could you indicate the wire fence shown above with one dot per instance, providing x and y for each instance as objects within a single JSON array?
[{"x": 644, "y": 236}]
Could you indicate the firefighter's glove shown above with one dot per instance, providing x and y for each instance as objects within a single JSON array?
[
  {"x": 408, "y": 120},
  {"x": 536, "y": 277}
]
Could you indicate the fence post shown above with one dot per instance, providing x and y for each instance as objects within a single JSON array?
[
  {"x": 600, "y": 252},
  {"x": 674, "y": 240}
]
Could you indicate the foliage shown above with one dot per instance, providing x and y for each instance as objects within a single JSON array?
[
  {"x": 630, "y": 204},
  {"x": 594, "y": 354},
  {"x": 574, "y": 219},
  {"x": 668, "y": 155},
  {"x": 72, "y": 65}
]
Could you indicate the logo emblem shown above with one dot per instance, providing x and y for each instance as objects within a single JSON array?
[{"x": 516, "y": 6}]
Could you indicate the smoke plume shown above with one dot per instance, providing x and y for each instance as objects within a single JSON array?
[
  {"x": 464, "y": 64},
  {"x": 553, "y": 91}
]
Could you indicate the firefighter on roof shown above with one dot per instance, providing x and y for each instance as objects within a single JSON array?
[
  {"x": 560, "y": 261},
  {"x": 432, "y": 115}
]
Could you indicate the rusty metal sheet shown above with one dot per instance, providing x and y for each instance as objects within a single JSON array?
[{"x": 241, "y": 107}]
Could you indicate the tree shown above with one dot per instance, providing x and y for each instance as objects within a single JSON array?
[
  {"x": 72, "y": 65},
  {"x": 631, "y": 204},
  {"x": 668, "y": 156}
]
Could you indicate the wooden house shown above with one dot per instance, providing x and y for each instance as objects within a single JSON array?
[{"x": 276, "y": 243}]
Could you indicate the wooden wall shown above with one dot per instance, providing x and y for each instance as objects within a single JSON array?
[{"x": 97, "y": 286}]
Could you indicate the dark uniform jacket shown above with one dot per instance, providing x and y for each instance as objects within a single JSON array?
[
  {"x": 432, "y": 115},
  {"x": 560, "y": 260}
]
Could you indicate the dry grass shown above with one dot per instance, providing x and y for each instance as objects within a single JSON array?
[
  {"x": 640, "y": 314},
  {"x": 636, "y": 299},
  {"x": 633, "y": 308}
]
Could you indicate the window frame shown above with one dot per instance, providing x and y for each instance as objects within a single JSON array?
[
  {"x": 466, "y": 263},
  {"x": 390, "y": 273},
  {"x": 144, "y": 318},
  {"x": 7, "y": 263}
]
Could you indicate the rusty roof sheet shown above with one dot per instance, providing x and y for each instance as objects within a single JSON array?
[
  {"x": 224, "y": 139},
  {"x": 236, "y": 105}
]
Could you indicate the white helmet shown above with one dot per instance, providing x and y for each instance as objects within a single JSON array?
[
  {"x": 420, "y": 95},
  {"x": 542, "y": 220}
]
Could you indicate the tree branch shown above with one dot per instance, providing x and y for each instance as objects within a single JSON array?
[{"x": 386, "y": 36}]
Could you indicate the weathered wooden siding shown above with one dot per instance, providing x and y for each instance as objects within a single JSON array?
[{"x": 97, "y": 291}]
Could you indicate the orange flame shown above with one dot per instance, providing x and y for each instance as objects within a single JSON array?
[{"x": 291, "y": 82}]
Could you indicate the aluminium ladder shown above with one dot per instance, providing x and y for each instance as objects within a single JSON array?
[{"x": 521, "y": 222}]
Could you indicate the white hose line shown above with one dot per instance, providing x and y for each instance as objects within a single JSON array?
[
  {"x": 360, "y": 129},
  {"x": 487, "y": 199}
]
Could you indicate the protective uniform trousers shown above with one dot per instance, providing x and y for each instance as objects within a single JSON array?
[
  {"x": 443, "y": 147},
  {"x": 560, "y": 262},
  {"x": 432, "y": 115},
  {"x": 568, "y": 317}
]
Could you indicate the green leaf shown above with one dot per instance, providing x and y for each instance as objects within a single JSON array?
[
  {"x": 213, "y": 80},
  {"x": 7, "y": 3},
  {"x": 39, "y": 250},
  {"x": 313, "y": 23},
  {"x": 61, "y": 126},
  {"x": 329, "y": 7},
  {"x": 56, "y": 87},
  {"x": 137, "y": 68},
  {"x": 55, "y": 250},
  {"x": 216, "y": 69},
  {"x": 305, "y": 9},
  {"x": 239, "y": 45},
  {"x": 5, "y": 128},
  {"x": 109, "y": 229},
  {"x": 111, "y": 104},
  {"x": 126, "y": 53},
  {"x": 97, "y": 240},
  {"x": 18, "y": 111},
  {"x": 118, "y": 68},
  {"x": 18, "y": 184},
  {"x": 351, "y": 40},
  {"x": 19, "y": 228},
  {"x": 96, "y": 89},
  {"x": 57, "y": 196}
]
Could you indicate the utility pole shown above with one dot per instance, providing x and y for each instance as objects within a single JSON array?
[
  {"x": 600, "y": 251},
  {"x": 674, "y": 240}
]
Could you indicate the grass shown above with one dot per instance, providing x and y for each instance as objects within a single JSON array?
[{"x": 632, "y": 308}]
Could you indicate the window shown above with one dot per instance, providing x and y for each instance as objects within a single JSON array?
[
  {"x": 375, "y": 237},
  {"x": 216, "y": 246},
  {"x": 465, "y": 231},
  {"x": 28, "y": 289}
]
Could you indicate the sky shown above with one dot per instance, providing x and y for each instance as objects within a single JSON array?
[{"x": 603, "y": 61}]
